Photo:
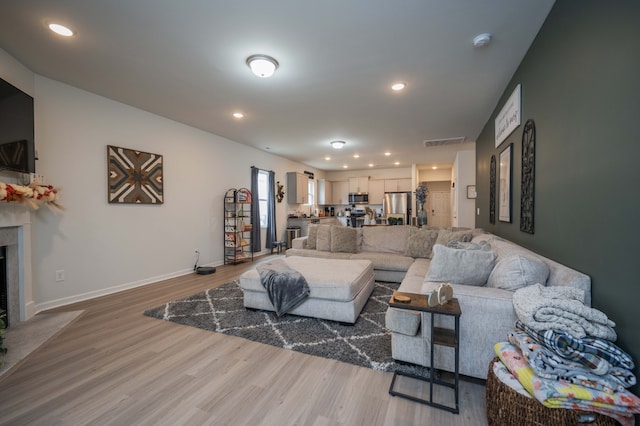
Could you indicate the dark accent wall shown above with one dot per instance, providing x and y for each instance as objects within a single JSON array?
[{"x": 581, "y": 84}]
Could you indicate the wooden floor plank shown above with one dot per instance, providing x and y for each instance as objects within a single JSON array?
[{"x": 115, "y": 366}]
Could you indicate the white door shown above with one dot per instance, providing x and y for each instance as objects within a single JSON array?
[{"x": 438, "y": 208}]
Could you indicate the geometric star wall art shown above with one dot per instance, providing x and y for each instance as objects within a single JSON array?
[{"x": 135, "y": 177}]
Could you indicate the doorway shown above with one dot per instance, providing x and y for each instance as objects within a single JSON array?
[{"x": 438, "y": 204}]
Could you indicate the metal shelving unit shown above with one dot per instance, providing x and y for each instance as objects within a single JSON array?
[{"x": 237, "y": 226}]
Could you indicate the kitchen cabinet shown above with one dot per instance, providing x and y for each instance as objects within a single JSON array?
[
  {"x": 359, "y": 184},
  {"x": 376, "y": 191},
  {"x": 325, "y": 192},
  {"x": 297, "y": 188},
  {"x": 341, "y": 192},
  {"x": 404, "y": 185},
  {"x": 397, "y": 185}
]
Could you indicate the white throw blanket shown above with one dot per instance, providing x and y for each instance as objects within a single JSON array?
[{"x": 561, "y": 308}]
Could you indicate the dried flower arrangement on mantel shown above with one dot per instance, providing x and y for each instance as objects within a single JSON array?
[{"x": 33, "y": 194}]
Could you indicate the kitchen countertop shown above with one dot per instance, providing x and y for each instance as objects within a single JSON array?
[{"x": 312, "y": 218}]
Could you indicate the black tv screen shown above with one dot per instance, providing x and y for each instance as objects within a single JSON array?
[{"x": 17, "y": 148}]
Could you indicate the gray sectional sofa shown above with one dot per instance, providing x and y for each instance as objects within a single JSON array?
[{"x": 484, "y": 269}]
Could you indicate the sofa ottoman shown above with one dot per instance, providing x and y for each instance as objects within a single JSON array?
[{"x": 338, "y": 288}]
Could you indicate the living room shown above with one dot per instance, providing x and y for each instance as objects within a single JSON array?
[{"x": 579, "y": 84}]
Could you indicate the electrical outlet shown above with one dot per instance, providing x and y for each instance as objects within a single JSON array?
[{"x": 60, "y": 275}]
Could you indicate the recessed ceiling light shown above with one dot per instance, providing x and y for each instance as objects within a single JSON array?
[
  {"x": 60, "y": 30},
  {"x": 356, "y": 155},
  {"x": 371, "y": 164},
  {"x": 345, "y": 167},
  {"x": 397, "y": 163},
  {"x": 238, "y": 114},
  {"x": 482, "y": 40},
  {"x": 434, "y": 168},
  {"x": 398, "y": 86},
  {"x": 387, "y": 154},
  {"x": 338, "y": 144},
  {"x": 262, "y": 65},
  {"x": 327, "y": 158}
]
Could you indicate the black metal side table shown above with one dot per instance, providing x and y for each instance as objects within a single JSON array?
[{"x": 439, "y": 336}]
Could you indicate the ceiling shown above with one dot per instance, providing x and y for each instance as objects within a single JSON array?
[{"x": 338, "y": 58}]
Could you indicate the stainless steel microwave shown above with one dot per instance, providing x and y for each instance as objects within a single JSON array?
[{"x": 358, "y": 198}]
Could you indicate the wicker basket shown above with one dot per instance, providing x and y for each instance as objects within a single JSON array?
[{"x": 506, "y": 407}]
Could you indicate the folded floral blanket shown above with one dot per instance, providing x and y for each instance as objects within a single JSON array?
[
  {"x": 558, "y": 394},
  {"x": 285, "y": 286},
  {"x": 562, "y": 309},
  {"x": 592, "y": 352},
  {"x": 547, "y": 364}
]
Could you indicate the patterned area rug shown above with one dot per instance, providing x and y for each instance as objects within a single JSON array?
[{"x": 367, "y": 343}]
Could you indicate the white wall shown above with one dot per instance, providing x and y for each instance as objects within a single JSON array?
[
  {"x": 429, "y": 175},
  {"x": 463, "y": 174},
  {"x": 105, "y": 247}
]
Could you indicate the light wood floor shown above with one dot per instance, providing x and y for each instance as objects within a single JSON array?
[{"x": 115, "y": 366}]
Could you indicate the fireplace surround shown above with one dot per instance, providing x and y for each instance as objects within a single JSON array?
[{"x": 15, "y": 236}]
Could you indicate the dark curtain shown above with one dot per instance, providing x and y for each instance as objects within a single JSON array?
[
  {"x": 255, "y": 211},
  {"x": 271, "y": 210}
]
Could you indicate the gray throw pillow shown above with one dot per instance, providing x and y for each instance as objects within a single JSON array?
[
  {"x": 323, "y": 240},
  {"x": 343, "y": 239},
  {"x": 445, "y": 236},
  {"x": 514, "y": 272},
  {"x": 312, "y": 236},
  {"x": 459, "y": 266},
  {"x": 420, "y": 243}
]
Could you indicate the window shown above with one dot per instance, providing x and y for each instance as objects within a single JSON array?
[
  {"x": 263, "y": 197},
  {"x": 312, "y": 193}
]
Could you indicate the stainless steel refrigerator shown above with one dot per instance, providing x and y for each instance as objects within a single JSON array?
[{"x": 397, "y": 205}]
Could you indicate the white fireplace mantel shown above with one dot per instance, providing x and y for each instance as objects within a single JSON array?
[{"x": 15, "y": 215}]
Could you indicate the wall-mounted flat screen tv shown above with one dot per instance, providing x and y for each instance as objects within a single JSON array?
[{"x": 17, "y": 148}]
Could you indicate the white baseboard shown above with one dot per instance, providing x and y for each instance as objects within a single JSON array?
[
  {"x": 33, "y": 308},
  {"x": 30, "y": 310},
  {"x": 110, "y": 290}
]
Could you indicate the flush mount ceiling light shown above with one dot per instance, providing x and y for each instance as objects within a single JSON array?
[
  {"x": 262, "y": 65},
  {"x": 338, "y": 144},
  {"x": 238, "y": 115},
  {"x": 60, "y": 30},
  {"x": 482, "y": 40},
  {"x": 398, "y": 86}
]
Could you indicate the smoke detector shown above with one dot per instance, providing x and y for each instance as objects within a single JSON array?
[{"x": 482, "y": 40}]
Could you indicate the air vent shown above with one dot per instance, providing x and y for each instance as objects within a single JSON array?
[{"x": 443, "y": 142}]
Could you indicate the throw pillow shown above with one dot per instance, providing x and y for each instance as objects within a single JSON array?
[
  {"x": 386, "y": 239},
  {"x": 420, "y": 243},
  {"x": 445, "y": 236},
  {"x": 459, "y": 266},
  {"x": 312, "y": 236},
  {"x": 323, "y": 239},
  {"x": 343, "y": 239},
  {"x": 514, "y": 272}
]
